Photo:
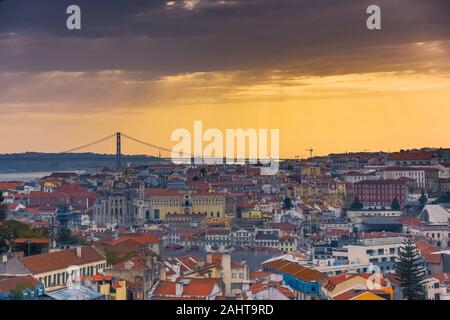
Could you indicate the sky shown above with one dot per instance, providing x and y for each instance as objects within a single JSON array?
[{"x": 310, "y": 68}]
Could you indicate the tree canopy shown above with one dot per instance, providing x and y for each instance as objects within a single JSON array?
[
  {"x": 287, "y": 203},
  {"x": 3, "y": 208},
  {"x": 356, "y": 205}
]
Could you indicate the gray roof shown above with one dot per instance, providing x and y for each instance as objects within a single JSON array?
[{"x": 13, "y": 266}]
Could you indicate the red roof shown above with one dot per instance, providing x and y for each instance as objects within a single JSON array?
[
  {"x": 426, "y": 250},
  {"x": 411, "y": 156},
  {"x": 46, "y": 262},
  {"x": 10, "y": 185},
  {"x": 10, "y": 283},
  {"x": 286, "y": 291},
  {"x": 165, "y": 288},
  {"x": 200, "y": 287},
  {"x": 32, "y": 240},
  {"x": 409, "y": 221},
  {"x": 377, "y": 234},
  {"x": 295, "y": 270},
  {"x": 258, "y": 275},
  {"x": 143, "y": 239},
  {"x": 351, "y": 294},
  {"x": 194, "y": 287}
]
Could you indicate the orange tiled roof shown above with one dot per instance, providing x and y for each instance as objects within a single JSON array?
[
  {"x": 200, "y": 287},
  {"x": 165, "y": 288},
  {"x": 259, "y": 274},
  {"x": 10, "y": 185},
  {"x": 10, "y": 283},
  {"x": 426, "y": 250},
  {"x": 258, "y": 287},
  {"x": 32, "y": 240},
  {"x": 352, "y": 294},
  {"x": 45, "y": 262},
  {"x": 143, "y": 239},
  {"x": 296, "y": 270}
]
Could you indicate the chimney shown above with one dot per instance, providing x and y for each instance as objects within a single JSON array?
[
  {"x": 226, "y": 272},
  {"x": 79, "y": 251},
  {"x": 178, "y": 289},
  {"x": 128, "y": 265},
  {"x": 177, "y": 269}
]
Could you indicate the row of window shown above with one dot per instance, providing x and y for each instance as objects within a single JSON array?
[
  {"x": 371, "y": 252},
  {"x": 61, "y": 278},
  {"x": 384, "y": 259}
]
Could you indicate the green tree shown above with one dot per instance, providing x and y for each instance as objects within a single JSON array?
[
  {"x": 356, "y": 205},
  {"x": 395, "y": 205},
  {"x": 410, "y": 270},
  {"x": 443, "y": 198},
  {"x": 287, "y": 203},
  {"x": 65, "y": 236},
  {"x": 423, "y": 200},
  {"x": 3, "y": 208},
  {"x": 17, "y": 292},
  {"x": 12, "y": 229},
  {"x": 112, "y": 257}
]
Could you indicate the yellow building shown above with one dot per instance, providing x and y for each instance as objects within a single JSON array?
[
  {"x": 159, "y": 203},
  {"x": 108, "y": 286},
  {"x": 311, "y": 171},
  {"x": 287, "y": 244},
  {"x": 253, "y": 214},
  {"x": 217, "y": 222}
]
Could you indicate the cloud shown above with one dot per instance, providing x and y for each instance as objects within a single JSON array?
[
  {"x": 120, "y": 91},
  {"x": 184, "y": 36}
]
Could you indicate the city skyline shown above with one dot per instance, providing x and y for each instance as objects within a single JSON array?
[{"x": 313, "y": 70}]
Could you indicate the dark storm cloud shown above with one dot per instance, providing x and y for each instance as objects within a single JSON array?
[{"x": 309, "y": 36}]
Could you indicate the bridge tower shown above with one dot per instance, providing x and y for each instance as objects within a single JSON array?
[{"x": 118, "y": 151}]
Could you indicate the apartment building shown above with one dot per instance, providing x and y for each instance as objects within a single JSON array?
[{"x": 378, "y": 249}]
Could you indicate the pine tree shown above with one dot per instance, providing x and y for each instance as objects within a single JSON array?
[
  {"x": 395, "y": 205},
  {"x": 287, "y": 204},
  {"x": 410, "y": 270},
  {"x": 356, "y": 205},
  {"x": 422, "y": 200}
]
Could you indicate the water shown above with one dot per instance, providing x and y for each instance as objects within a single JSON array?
[{"x": 28, "y": 176}]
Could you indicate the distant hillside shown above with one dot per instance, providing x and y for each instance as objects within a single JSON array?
[{"x": 33, "y": 161}]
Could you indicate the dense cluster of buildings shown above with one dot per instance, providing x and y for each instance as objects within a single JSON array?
[{"x": 322, "y": 228}]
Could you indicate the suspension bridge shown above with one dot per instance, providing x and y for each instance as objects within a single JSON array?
[{"x": 121, "y": 144}]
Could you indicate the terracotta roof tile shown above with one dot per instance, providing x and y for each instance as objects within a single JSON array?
[{"x": 45, "y": 262}]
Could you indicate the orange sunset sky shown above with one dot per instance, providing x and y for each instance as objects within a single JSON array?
[{"x": 308, "y": 68}]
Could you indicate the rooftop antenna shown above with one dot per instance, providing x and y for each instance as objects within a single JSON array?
[{"x": 310, "y": 152}]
